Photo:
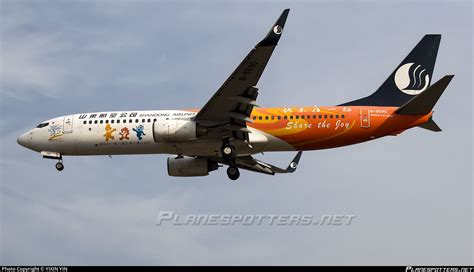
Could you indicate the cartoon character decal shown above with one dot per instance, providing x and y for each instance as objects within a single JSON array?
[
  {"x": 108, "y": 132},
  {"x": 124, "y": 133},
  {"x": 139, "y": 131},
  {"x": 55, "y": 132}
]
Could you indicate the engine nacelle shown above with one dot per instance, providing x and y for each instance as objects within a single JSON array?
[
  {"x": 190, "y": 167},
  {"x": 177, "y": 131}
]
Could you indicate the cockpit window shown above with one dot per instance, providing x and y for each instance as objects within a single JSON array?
[{"x": 42, "y": 125}]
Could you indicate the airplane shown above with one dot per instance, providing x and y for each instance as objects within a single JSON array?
[{"x": 231, "y": 127}]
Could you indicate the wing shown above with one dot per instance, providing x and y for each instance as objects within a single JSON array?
[
  {"x": 230, "y": 107},
  {"x": 254, "y": 165}
]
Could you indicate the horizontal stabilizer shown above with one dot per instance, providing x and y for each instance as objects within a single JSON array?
[
  {"x": 425, "y": 101},
  {"x": 430, "y": 125}
]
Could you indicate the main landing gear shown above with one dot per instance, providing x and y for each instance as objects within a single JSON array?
[
  {"x": 228, "y": 154},
  {"x": 228, "y": 151},
  {"x": 233, "y": 172}
]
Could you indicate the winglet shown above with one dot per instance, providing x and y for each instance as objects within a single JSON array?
[
  {"x": 291, "y": 167},
  {"x": 274, "y": 34},
  {"x": 294, "y": 163}
]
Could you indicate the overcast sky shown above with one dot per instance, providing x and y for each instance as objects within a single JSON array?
[{"x": 411, "y": 194}]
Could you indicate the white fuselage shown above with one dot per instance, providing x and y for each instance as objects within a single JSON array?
[{"x": 131, "y": 132}]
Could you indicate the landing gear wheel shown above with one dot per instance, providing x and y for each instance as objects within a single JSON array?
[
  {"x": 233, "y": 172},
  {"x": 59, "y": 166}
]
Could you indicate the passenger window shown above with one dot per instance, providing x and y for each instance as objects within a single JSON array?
[
  {"x": 266, "y": 117},
  {"x": 124, "y": 121},
  {"x": 136, "y": 120},
  {"x": 342, "y": 116},
  {"x": 143, "y": 120},
  {"x": 85, "y": 122},
  {"x": 130, "y": 121},
  {"x": 273, "y": 117},
  {"x": 285, "y": 117},
  {"x": 320, "y": 116},
  {"x": 106, "y": 121},
  {"x": 112, "y": 121},
  {"x": 278, "y": 117},
  {"x": 302, "y": 116},
  {"x": 255, "y": 118},
  {"x": 118, "y": 121},
  {"x": 101, "y": 121},
  {"x": 90, "y": 122},
  {"x": 337, "y": 116},
  {"x": 291, "y": 116},
  {"x": 314, "y": 116},
  {"x": 309, "y": 116},
  {"x": 260, "y": 118},
  {"x": 95, "y": 122},
  {"x": 154, "y": 120},
  {"x": 330, "y": 116},
  {"x": 297, "y": 117},
  {"x": 149, "y": 120},
  {"x": 325, "y": 116}
]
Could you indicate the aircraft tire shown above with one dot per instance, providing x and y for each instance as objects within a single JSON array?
[
  {"x": 233, "y": 172},
  {"x": 59, "y": 166}
]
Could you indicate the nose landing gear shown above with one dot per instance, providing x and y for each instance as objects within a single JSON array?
[
  {"x": 54, "y": 156},
  {"x": 59, "y": 165}
]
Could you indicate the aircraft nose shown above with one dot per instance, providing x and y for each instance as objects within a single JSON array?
[{"x": 24, "y": 140}]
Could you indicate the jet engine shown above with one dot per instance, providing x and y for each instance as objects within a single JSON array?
[
  {"x": 177, "y": 131},
  {"x": 190, "y": 167}
]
